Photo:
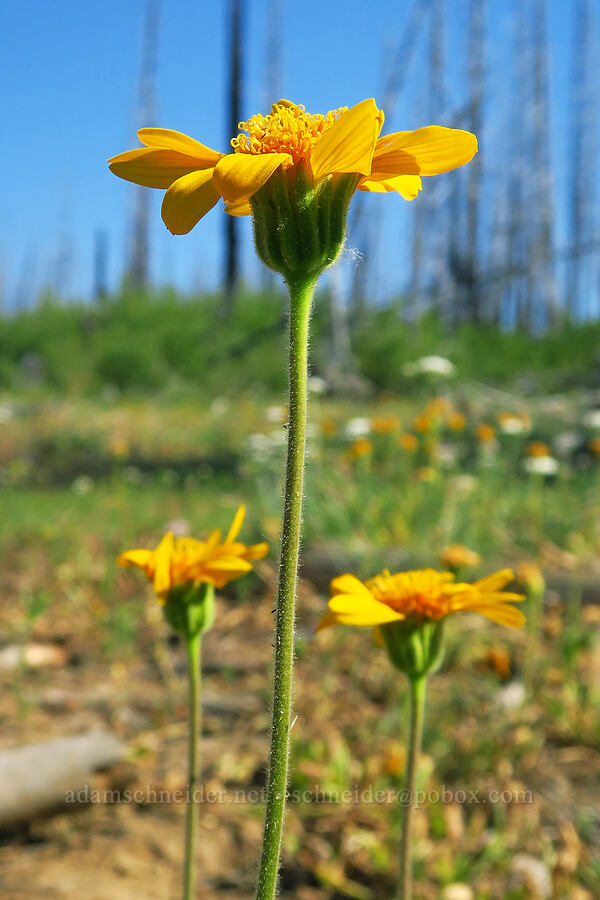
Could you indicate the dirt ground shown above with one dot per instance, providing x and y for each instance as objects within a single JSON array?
[{"x": 348, "y": 732}]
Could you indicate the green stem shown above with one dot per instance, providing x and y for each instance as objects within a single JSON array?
[
  {"x": 300, "y": 303},
  {"x": 194, "y": 644},
  {"x": 418, "y": 687}
]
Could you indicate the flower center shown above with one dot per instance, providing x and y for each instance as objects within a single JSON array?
[
  {"x": 422, "y": 593},
  {"x": 286, "y": 129}
]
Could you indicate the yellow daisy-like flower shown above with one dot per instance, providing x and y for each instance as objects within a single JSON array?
[
  {"x": 420, "y": 596},
  {"x": 180, "y": 561},
  {"x": 538, "y": 448},
  {"x": 344, "y": 141},
  {"x": 457, "y": 556},
  {"x": 486, "y": 433}
]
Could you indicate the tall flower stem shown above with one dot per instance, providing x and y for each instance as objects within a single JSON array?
[
  {"x": 194, "y": 643},
  {"x": 300, "y": 302},
  {"x": 418, "y": 685}
]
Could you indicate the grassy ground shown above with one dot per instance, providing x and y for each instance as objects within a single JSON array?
[{"x": 513, "y": 727}]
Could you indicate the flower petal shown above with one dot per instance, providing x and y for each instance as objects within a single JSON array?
[
  {"x": 256, "y": 551},
  {"x": 152, "y": 168},
  {"x": 187, "y": 200},
  {"x": 496, "y": 581},
  {"x": 378, "y": 614},
  {"x": 238, "y": 209},
  {"x": 167, "y": 139},
  {"x": 349, "y": 144},
  {"x": 162, "y": 572},
  {"x": 140, "y": 559},
  {"x": 502, "y": 613},
  {"x": 408, "y": 186},
  {"x": 236, "y": 525},
  {"x": 426, "y": 151},
  {"x": 350, "y": 584},
  {"x": 229, "y": 563},
  {"x": 240, "y": 175}
]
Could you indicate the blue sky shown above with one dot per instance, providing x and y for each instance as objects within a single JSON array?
[{"x": 70, "y": 73}]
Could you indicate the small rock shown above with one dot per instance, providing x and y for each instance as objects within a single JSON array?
[
  {"x": 40, "y": 778},
  {"x": 533, "y": 874},
  {"x": 34, "y": 656}
]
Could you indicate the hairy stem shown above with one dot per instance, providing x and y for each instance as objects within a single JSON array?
[
  {"x": 300, "y": 303},
  {"x": 195, "y": 717},
  {"x": 418, "y": 687}
]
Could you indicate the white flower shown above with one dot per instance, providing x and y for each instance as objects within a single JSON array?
[
  {"x": 275, "y": 413},
  {"x": 357, "y": 428},
  {"x": 219, "y": 406},
  {"x": 179, "y": 527},
  {"x": 512, "y": 425},
  {"x": 258, "y": 444},
  {"x": 317, "y": 385},
  {"x": 591, "y": 418},
  {"x": 463, "y": 484},
  {"x": 83, "y": 484},
  {"x": 447, "y": 455},
  {"x": 541, "y": 465},
  {"x": 431, "y": 365},
  {"x": 567, "y": 441}
]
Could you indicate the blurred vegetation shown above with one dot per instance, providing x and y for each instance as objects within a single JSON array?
[{"x": 138, "y": 343}]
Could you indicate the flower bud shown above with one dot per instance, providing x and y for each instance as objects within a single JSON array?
[
  {"x": 415, "y": 647},
  {"x": 299, "y": 225}
]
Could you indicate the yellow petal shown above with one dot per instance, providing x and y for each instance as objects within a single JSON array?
[
  {"x": 238, "y": 209},
  {"x": 327, "y": 621},
  {"x": 408, "y": 186},
  {"x": 257, "y": 551},
  {"x": 502, "y": 613},
  {"x": 349, "y": 144},
  {"x": 229, "y": 564},
  {"x": 152, "y": 168},
  {"x": 236, "y": 525},
  {"x": 378, "y": 637},
  {"x": 496, "y": 581},
  {"x": 366, "y": 617},
  {"x": 240, "y": 175},
  {"x": 210, "y": 545},
  {"x": 426, "y": 151},
  {"x": 162, "y": 572},
  {"x": 167, "y": 139},
  {"x": 187, "y": 200},
  {"x": 137, "y": 558},
  {"x": 350, "y": 584}
]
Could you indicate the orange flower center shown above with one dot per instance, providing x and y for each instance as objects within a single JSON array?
[
  {"x": 421, "y": 593},
  {"x": 286, "y": 129}
]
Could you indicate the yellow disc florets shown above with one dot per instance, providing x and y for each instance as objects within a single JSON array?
[
  {"x": 423, "y": 593},
  {"x": 286, "y": 129}
]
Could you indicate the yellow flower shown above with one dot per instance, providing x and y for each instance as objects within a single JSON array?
[
  {"x": 456, "y": 421},
  {"x": 486, "y": 433},
  {"x": 422, "y": 595},
  {"x": 344, "y": 141},
  {"x": 531, "y": 577},
  {"x": 181, "y": 561},
  {"x": 385, "y": 424},
  {"x": 426, "y": 473},
  {"x": 408, "y": 441},
  {"x": 362, "y": 446},
  {"x": 456, "y": 556},
  {"x": 329, "y": 428},
  {"x": 423, "y": 422},
  {"x": 538, "y": 448}
]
